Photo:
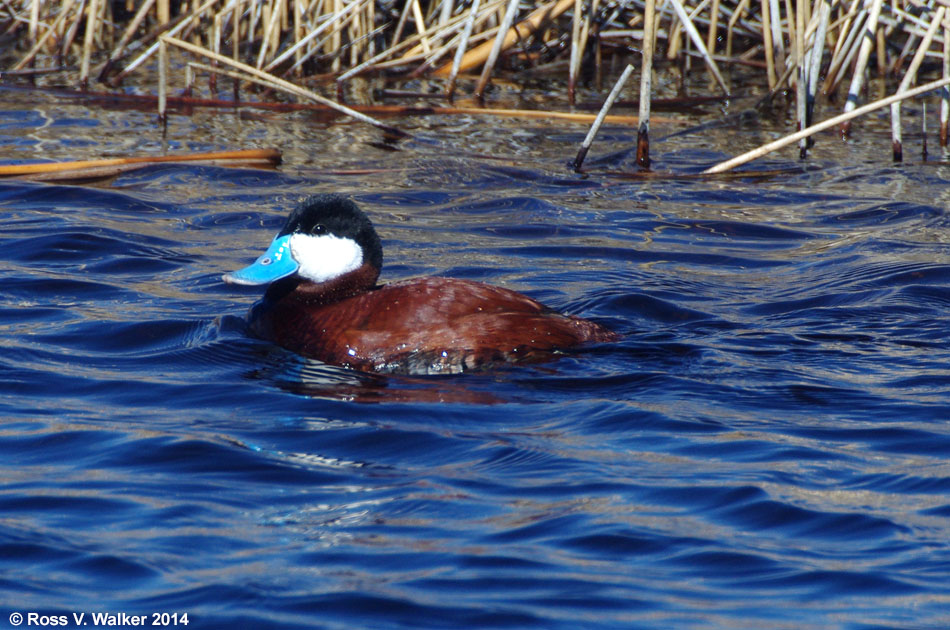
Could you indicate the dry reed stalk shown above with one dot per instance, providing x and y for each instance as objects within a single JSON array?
[
  {"x": 896, "y": 140},
  {"x": 769, "y": 49},
  {"x": 34, "y": 20},
  {"x": 460, "y": 51},
  {"x": 301, "y": 57},
  {"x": 575, "y": 50},
  {"x": 174, "y": 30},
  {"x": 595, "y": 127},
  {"x": 236, "y": 13},
  {"x": 376, "y": 63},
  {"x": 278, "y": 83},
  {"x": 698, "y": 42},
  {"x": 585, "y": 35},
  {"x": 400, "y": 25},
  {"x": 646, "y": 84},
  {"x": 92, "y": 15},
  {"x": 445, "y": 14},
  {"x": 826, "y": 124},
  {"x": 580, "y": 29},
  {"x": 420, "y": 25},
  {"x": 162, "y": 78},
  {"x": 858, "y": 77},
  {"x": 299, "y": 30},
  {"x": 70, "y": 36},
  {"x": 801, "y": 84},
  {"x": 778, "y": 44},
  {"x": 127, "y": 35},
  {"x": 497, "y": 46},
  {"x": 371, "y": 20},
  {"x": 336, "y": 36},
  {"x": 814, "y": 58},
  {"x": 945, "y": 92},
  {"x": 712, "y": 34},
  {"x": 736, "y": 16},
  {"x": 881, "y": 52},
  {"x": 527, "y": 26},
  {"x": 268, "y": 40},
  {"x": 844, "y": 53},
  {"x": 39, "y": 43},
  {"x": 486, "y": 16}
]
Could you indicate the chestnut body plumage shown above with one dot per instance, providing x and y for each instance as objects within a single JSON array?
[{"x": 336, "y": 313}]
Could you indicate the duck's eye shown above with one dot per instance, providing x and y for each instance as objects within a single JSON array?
[{"x": 319, "y": 229}]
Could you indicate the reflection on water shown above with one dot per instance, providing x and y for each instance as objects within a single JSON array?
[{"x": 766, "y": 447}]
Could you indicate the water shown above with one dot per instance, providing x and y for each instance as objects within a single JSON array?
[{"x": 767, "y": 446}]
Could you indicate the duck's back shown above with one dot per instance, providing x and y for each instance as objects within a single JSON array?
[{"x": 424, "y": 325}]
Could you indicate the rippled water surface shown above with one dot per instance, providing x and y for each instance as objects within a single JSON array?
[{"x": 767, "y": 447}]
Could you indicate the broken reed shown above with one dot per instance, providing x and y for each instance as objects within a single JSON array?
[{"x": 794, "y": 42}]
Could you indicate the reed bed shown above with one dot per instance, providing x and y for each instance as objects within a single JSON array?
[{"x": 308, "y": 48}]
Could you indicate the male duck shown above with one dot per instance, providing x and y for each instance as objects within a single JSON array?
[{"x": 323, "y": 302}]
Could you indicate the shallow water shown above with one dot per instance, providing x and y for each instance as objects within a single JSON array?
[{"x": 767, "y": 446}]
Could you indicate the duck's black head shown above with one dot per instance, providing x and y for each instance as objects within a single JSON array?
[{"x": 324, "y": 238}]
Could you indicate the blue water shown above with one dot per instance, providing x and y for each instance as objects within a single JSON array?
[{"x": 767, "y": 447}]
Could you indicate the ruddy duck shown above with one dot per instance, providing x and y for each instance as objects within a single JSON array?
[{"x": 323, "y": 302}]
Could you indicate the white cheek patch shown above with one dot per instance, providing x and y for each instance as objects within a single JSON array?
[{"x": 326, "y": 257}]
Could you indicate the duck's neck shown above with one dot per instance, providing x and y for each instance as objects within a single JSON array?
[{"x": 301, "y": 290}]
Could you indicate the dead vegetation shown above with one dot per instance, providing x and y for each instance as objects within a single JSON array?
[{"x": 807, "y": 48}]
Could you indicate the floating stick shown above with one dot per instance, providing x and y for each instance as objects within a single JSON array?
[
  {"x": 831, "y": 122},
  {"x": 268, "y": 155},
  {"x": 594, "y": 128}
]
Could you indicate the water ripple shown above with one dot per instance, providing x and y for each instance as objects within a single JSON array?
[{"x": 766, "y": 446}]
